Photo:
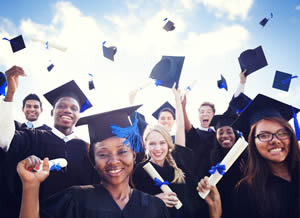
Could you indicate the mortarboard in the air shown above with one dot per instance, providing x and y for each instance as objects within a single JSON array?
[
  {"x": 252, "y": 60},
  {"x": 17, "y": 43},
  {"x": 113, "y": 123},
  {"x": 164, "y": 107},
  {"x": 169, "y": 26},
  {"x": 3, "y": 84},
  {"x": 168, "y": 70},
  {"x": 222, "y": 83},
  {"x": 91, "y": 85},
  {"x": 221, "y": 120},
  {"x": 264, "y": 21},
  {"x": 69, "y": 89},
  {"x": 261, "y": 107},
  {"x": 109, "y": 52},
  {"x": 282, "y": 81},
  {"x": 49, "y": 68}
]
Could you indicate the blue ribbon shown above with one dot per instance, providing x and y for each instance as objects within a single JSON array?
[
  {"x": 238, "y": 111},
  {"x": 219, "y": 167},
  {"x": 160, "y": 183},
  {"x": 56, "y": 167},
  {"x": 222, "y": 85},
  {"x": 47, "y": 45},
  {"x": 188, "y": 88},
  {"x": 103, "y": 43},
  {"x": 157, "y": 82},
  {"x": 285, "y": 81},
  {"x": 296, "y": 124},
  {"x": 91, "y": 75},
  {"x": 9, "y": 40},
  {"x": 271, "y": 15},
  {"x": 2, "y": 89},
  {"x": 165, "y": 19},
  {"x": 85, "y": 106}
]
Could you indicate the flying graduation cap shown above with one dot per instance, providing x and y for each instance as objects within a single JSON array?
[
  {"x": 91, "y": 82},
  {"x": 109, "y": 52},
  {"x": 222, "y": 83},
  {"x": 3, "y": 84},
  {"x": 69, "y": 89},
  {"x": 264, "y": 21},
  {"x": 114, "y": 123},
  {"x": 169, "y": 26},
  {"x": 252, "y": 60},
  {"x": 282, "y": 80},
  {"x": 167, "y": 71},
  {"x": 50, "y": 67},
  {"x": 16, "y": 43}
]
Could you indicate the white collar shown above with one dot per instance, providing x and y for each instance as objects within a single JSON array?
[
  {"x": 64, "y": 137},
  {"x": 206, "y": 129},
  {"x": 35, "y": 123}
]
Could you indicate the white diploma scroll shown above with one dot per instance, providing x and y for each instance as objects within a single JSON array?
[
  {"x": 154, "y": 174},
  {"x": 62, "y": 162},
  {"x": 52, "y": 45},
  {"x": 188, "y": 89},
  {"x": 228, "y": 160},
  {"x": 146, "y": 84}
]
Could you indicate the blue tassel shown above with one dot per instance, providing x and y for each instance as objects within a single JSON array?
[
  {"x": 85, "y": 106},
  {"x": 296, "y": 124},
  {"x": 219, "y": 167},
  {"x": 2, "y": 89},
  {"x": 240, "y": 111},
  {"x": 158, "y": 82},
  {"x": 285, "y": 81},
  {"x": 56, "y": 167},
  {"x": 9, "y": 40},
  {"x": 131, "y": 134},
  {"x": 160, "y": 183}
]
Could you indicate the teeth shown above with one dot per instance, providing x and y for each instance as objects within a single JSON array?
[
  {"x": 66, "y": 118},
  {"x": 115, "y": 171},
  {"x": 276, "y": 150},
  {"x": 226, "y": 141}
]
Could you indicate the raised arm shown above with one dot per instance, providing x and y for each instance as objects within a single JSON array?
[
  {"x": 7, "y": 127},
  {"x": 187, "y": 123},
  {"x": 241, "y": 87},
  {"x": 30, "y": 205},
  {"x": 180, "y": 133}
]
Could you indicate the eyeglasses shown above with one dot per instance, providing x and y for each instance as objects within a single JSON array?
[{"x": 266, "y": 136}]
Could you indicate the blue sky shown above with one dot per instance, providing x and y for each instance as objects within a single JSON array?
[{"x": 210, "y": 34}]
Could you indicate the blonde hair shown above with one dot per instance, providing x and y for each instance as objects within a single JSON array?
[{"x": 179, "y": 176}]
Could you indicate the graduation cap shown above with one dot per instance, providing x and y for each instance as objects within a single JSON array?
[
  {"x": 240, "y": 103},
  {"x": 222, "y": 83},
  {"x": 91, "y": 85},
  {"x": 168, "y": 70},
  {"x": 169, "y": 26},
  {"x": 49, "y": 68},
  {"x": 142, "y": 124},
  {"x": 261, "y": 107},
  {"x": 113, "y": 123},
  {"x": 282, "y": 81},
  {"x": 16, "y": 43},
  {"x": 165, "y": 107},
  {"x": 252, "y": 60},
  {"x": 3, "y": 84},
  {"x": 69, "y": 89},
  {"x": 221, "y": 120},
  {"x": 109, "y": 52},
  {"x": 264, "y": 21}
]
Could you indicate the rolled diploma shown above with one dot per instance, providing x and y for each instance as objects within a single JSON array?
[
  {"x": 58, "y": 47},
  {"x": 228, "y": 160},
  {"x": 188, "y": 90},
  {"x": 61, "y": 161},
  {"x": 165, "y": 188},
  {"x": 145, "y": 85}
]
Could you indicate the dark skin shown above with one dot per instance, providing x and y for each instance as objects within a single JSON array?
[{"x": 65, "y": 111}]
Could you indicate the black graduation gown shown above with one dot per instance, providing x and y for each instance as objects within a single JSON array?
[
  {"x": 185, "y": 192},
  {"x": 43, "y": 144},
  {"x": 20, "y": 126},
  {"x": 286, "y": 193},
  {"x": 94, "y": 201}
]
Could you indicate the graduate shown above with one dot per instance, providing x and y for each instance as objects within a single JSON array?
[
  {"x": 270, "y": 187},
  {"x": 60, "y": 142},
  {"x": 173, "y": 163},
  {"x": 114, "y": 143}
]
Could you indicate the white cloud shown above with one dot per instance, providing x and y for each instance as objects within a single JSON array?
[{"x": 298, "y": 7}]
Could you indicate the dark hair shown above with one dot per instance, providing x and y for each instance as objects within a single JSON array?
[
  {"x": 258, "y": 171},
  {"x": 32, "y": 97},
  {"x": 168, "y": 110}
]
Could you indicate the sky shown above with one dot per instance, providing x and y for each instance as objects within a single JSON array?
[{"x": 211, "y": 34}]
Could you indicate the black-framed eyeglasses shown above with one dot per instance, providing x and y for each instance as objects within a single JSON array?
[{"x": 266, "y": 136}]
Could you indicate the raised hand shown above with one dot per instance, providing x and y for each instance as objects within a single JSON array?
[
  {"x": 243, "y": 78},
  {"x": 27, "y": 174},
  {"x": 12, "y": 78}
]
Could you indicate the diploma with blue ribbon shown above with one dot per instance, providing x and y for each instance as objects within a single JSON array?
[
  {"x": 55, "y": 164},
  {"x": 220, "y": 169},
  {"x": 163, "y": 185}
]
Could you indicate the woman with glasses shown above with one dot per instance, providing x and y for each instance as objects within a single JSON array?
[{"x": 270, "y": 187}]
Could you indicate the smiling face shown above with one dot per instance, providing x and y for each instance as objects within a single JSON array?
[
  {"x": 157, "y": 147},
  {"x": 276, "y": 150},
  {"x": 166, "y": 119},
  {"x": 32, "y": 110},
  {"x": 113, "y": 161},
  {"x": 66, "y": 113},
  {"x": 206, "y": 114},
  {"x": 225, "y": 137}
]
